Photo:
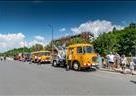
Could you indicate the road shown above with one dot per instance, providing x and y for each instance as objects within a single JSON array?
[{"x": 19, "y": 78}]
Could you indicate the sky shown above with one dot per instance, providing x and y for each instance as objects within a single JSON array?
[{"x": 25, "y": 23}]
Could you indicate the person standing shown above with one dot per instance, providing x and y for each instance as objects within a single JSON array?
[
  {"x": 117, "y": 60},
  {"x": 1, "y": 58},
  {"x": 123, "y": 62},
  {"x": 69, "y": 61},
  {"x": 99, "y": 60},
  {"x": 132, "y": 64},
  {"x": 104, "y": 63},
  {"x": 110, "y": 59},
  {"x": 4, "y": 58}
]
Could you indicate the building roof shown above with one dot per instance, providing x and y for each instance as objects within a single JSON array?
[{"x": 39, "y": 52}]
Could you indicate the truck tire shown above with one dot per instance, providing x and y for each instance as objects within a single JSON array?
[
  {"x": 76, "y": 66},
  {"x": 54, "y": 63}
]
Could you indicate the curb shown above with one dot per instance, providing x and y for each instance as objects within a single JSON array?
[
  {"x": 102, "y": 69},
  {"x": 117, "y": 71}
]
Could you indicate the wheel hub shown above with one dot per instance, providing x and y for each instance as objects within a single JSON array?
[
  {"x": 75, "y": 66},
  {"x": 55, "y": 63}
]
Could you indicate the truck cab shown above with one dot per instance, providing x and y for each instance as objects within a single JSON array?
[{"x": 82, "y": 56}]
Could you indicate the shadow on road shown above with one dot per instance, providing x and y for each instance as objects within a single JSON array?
[
  {"x": 42, "y": 64},
  {"x": 83, "y": 70},
  {"x": 63, "y": 67},
  {"x": 88, "y": 70},
  {"x": 133, "y": 81}
]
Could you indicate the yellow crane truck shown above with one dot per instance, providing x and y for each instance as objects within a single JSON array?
[{"x": 77, "y": 56}]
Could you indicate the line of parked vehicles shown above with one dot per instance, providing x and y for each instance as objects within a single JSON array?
[
  {"x": 76, "y": 56},
  {"x": 40, "y": 57}
]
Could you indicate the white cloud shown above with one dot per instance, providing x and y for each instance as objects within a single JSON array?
[
  {"x": 96, "y": 27},
  {"x": 36, "y": 40},
  {"x": 33, "y": 42},
  {"x": 66, "y": 35},
  {"x": 62, "y": 29},
  {"x": 39, "y": 38},
  {"x": 17, "y": 40},
  {"x": 9, "y": 41}
]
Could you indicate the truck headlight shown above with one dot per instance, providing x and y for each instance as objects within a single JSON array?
[{"x": 93, "y": 63}]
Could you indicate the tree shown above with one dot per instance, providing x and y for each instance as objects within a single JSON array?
[
  {"x": 127, "y": 43},
  {"x": 77, "y": 40},
  {"x": 121, "y": 41},
  {"x": 132, "y": 25},
  {"x": 37, "y": 47}
]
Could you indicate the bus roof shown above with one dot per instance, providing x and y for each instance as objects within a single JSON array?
[
  {"x": 78, "y": 45},
  {"x": 39, "y": 52}
]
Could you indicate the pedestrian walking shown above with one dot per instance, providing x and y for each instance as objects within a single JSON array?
[
  {"x": 123, "y": 62},
  {"x": 110, "y": 59},
  {"x": 1, "y": 58},
  {"x": 104, "y": 62},
  {"x": 117, "y": 59},
  {"x": 5, "y": 58},
  {"x": 99, "y": 60},
  {"x": 69, "y": 61},
  {"x": 132, "y": 64}
]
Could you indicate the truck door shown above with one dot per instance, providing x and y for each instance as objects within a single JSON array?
[{"x": 79, "y": 55}]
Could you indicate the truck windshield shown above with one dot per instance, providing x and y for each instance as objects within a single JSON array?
[{"x": 88, "y": 49}]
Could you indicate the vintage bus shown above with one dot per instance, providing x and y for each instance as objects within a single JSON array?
[{"x": 41, "y": 57}]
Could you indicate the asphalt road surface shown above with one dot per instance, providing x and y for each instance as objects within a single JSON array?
[{"x": 19, "y": 78}]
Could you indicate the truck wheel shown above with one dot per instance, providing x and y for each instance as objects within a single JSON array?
[
  {"x": 54, "y": 63},
  {"x": 76, "y": 66}
]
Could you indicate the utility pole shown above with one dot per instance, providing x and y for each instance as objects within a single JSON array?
[
  {"x": 23, "y": 49},
  {"x": 52, "y": 34}
]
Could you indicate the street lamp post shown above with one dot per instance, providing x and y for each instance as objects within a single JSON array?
[
  {"x": 23, "y": 50},
  {"x": 52, "y": 33}
]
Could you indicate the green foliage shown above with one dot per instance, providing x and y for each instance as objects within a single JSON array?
[
  {"x": 48, "y": 47},
  {"x": 36, "y": 47},
  {"x": 127, "y": 44},
  {"x": 16, "y": 51},
  {"x": 76, "y": 40},
  {"x": 121, "y": 41}
]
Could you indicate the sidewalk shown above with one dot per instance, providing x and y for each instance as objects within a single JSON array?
[{"x": 127, "y": 71}]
